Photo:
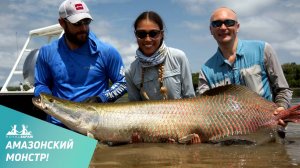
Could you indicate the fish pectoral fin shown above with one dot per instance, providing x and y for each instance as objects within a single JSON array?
[{"x": 190, "y": 139}]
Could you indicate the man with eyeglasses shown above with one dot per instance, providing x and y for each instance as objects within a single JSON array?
[
  {"x": 244, "y": 62},
  {"x": 78, "y": 66}
]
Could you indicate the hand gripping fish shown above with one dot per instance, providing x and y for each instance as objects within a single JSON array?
[{"x": 225, "y": 113}]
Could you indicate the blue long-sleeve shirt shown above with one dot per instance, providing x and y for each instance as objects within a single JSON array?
[{"x": 79, "y": 74}]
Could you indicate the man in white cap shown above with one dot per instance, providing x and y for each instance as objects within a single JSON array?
[
  {"x": 76, "y": 14},
  {"x": 78, "y": 66}
]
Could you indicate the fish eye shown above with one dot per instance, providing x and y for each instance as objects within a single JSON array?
[{"x": 51, "y": 100}]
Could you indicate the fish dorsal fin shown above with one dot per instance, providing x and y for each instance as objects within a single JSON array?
[{"x": 234, "y": 90}]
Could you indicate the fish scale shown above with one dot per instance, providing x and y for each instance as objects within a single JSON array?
[{"x": 229, "y": 112}]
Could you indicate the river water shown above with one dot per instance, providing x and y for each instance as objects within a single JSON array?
[{"x": 202, "y": 155}]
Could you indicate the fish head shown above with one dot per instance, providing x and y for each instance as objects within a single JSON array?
[
  {"x": 45, "y": 102},
  {"x": 72, "y": 114},
  {"x": 58, "y": 108}
]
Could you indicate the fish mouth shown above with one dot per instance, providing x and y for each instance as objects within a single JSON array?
[{"x": 37, "y": 101}]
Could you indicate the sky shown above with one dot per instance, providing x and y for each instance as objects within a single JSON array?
[{"x": 187, "y": 25}]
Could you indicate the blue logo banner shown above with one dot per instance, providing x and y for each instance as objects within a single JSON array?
[{"x": 26, "y": 141}]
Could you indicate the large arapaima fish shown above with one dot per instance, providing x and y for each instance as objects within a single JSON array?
[{"x": 222, "y": 114}]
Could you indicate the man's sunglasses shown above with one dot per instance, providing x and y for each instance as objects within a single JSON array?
[
  {"x": 219, "y": 23},
  {"x": 81, "y": 22},
  {"x": 141, "y": 34}
]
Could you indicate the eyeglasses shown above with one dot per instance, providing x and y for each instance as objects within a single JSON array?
[
  {"x": 219, "y": 23},
  {"x": 80, "y": 23},
  {"x": 141, "y": 34}
]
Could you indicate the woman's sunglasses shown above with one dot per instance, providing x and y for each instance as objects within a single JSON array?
[
  {"x": 219, "y": 23},
  {"x": 141, "y": 34}
]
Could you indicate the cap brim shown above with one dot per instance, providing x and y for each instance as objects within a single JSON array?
[{"x": 77, "y": 17}]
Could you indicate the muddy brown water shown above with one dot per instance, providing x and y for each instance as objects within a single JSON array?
[{"x": 202, "y": 155}]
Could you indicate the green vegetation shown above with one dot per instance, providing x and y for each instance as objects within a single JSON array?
[
  {"x": 17, "y": 88},
  {"x": 195, "y": 77},
  {"x": 292, "y": 74}
]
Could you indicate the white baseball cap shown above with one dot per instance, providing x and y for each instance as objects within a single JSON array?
[{"x": 74, "y": 10}]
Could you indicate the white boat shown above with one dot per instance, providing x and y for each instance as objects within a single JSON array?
[{"x": 23, "y": 70}]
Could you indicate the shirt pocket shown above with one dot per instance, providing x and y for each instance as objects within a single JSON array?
[
  {"x": 252, "y": 78},
  {"x": 172, "y": 80}
]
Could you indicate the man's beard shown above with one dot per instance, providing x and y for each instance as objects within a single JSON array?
[{"x": 73, "y": 37}]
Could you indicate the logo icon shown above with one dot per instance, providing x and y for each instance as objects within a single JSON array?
[
  {"x": 122, "y": 71},
  {"x": 79, "y": 6},
  {"x": 14, "y": 133}
]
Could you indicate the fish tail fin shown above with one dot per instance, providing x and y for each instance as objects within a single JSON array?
[{"x": 294, "y": 114}]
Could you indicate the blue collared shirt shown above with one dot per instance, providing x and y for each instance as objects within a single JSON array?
[{"x": 248, "y": 68}]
